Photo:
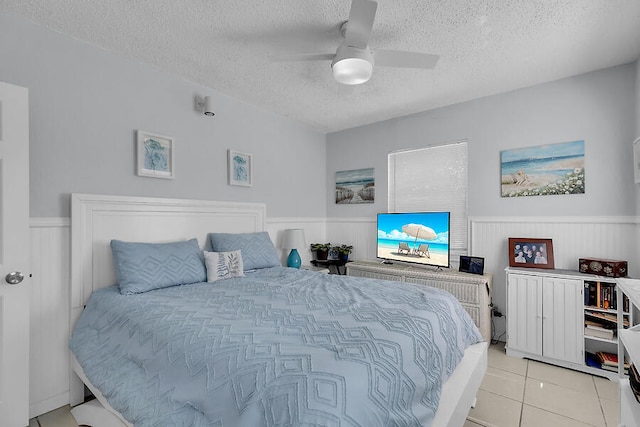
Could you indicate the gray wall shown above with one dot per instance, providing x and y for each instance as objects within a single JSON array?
[
  {"x": 598, "y": 108},
  {"x": 637, "y": 98},
  {"x": 86, "y": 103}
]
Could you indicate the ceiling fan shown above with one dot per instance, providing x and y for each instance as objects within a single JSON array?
[{"x": 352, "y": 64}]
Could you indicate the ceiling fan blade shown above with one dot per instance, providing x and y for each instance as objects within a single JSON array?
[
  {"x": 360, "y": 23},
  {"x": 398, "y": 58},
  {"x": 303, "y": 57}
]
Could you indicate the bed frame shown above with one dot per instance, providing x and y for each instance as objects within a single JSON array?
[{"x": 96, "y": 219}]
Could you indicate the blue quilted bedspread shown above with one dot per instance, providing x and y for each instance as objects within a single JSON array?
[{"x": 279, "y": 347}]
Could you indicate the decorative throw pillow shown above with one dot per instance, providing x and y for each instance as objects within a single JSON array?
[
  {"x": 257, "y": 248},
  {"x": 142, "y": 267},
  {"x": 223, "y": 265}
]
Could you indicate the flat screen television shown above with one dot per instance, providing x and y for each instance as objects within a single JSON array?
[{"x": 414, "y": 237}]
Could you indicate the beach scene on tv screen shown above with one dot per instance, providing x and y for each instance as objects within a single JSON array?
[{"x": 414, "y": 237}]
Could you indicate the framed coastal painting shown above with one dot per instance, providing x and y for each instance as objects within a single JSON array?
[
  {"x": 156, "y": 155},
  {"x": 530, "y": 252},
  {"x": 355, "y": 186},
  {"x": 543, "y": 170},
  {"x": 240, "y": 168}
]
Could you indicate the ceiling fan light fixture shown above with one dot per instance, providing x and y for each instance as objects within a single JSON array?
[
  {"x": 352, "y": 66},
  {"x": 352, "y": 71}
]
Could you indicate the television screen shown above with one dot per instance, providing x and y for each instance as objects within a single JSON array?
[{"x": 415, "y": 237}]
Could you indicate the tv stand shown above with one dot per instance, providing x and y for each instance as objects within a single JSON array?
[{"x": 472, "y": 290}]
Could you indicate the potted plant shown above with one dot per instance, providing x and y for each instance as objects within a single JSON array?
[
  {"x": 343, "y": 251},
  {"x": 321, "y": 250}
]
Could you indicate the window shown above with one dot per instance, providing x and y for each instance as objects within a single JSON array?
[{"x": 432, "y": 179}]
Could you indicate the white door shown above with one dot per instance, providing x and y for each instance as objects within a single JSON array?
[
  {"x": 524, "y": 313},
  {"x": 14, "y": 255},
  {"x": 563, "y": 325}
]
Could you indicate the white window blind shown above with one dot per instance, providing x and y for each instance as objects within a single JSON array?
[{"x": 433, "y": 179}]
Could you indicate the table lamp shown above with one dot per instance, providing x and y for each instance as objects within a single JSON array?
[{"x": 293, "y": 239}]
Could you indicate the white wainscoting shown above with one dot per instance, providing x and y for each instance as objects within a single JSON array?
[
  {"x": 573, "y": 238},
  {"x": 49, "y": 354},
  {"x": 361, "y": 233}
]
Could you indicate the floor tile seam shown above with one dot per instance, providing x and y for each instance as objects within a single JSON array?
[
  {"x": 604, "y": 421},
  {"x": 604, "y": 415},
  {"x": 500, "y": 395},
  {"x": 602, "y": 396},
  {"x": 521, "y": 393},
  {"x": 590, "y": 377},
  {"x": 481, "y": 422},
  {"x": 563, "y": 415},
  {"x": 505, "y": 396},
  {"x": 509, "y": 372},
  {"x": 593, "y": 391},
  {"x": 527, "y": 401},
  {"x": 506, "y": 371},
  {"x": 616, "y": 401}
]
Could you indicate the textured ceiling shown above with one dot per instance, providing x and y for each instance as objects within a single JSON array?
[{"x": 486, "y": 47}]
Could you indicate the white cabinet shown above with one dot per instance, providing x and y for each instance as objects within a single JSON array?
[
  {"x": 524, "y": 314},
  {"x": 544, "y": 317},
  {"x": 548, "y": 312}
]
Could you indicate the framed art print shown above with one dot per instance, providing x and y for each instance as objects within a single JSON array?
[
  {"x": 530, "y": 252},
  {"x": 543, "y": 170},
  {"x": 240, "y": 166},
  {"x": 355, "y": 186},
  {"x": 155, "y": 155}
]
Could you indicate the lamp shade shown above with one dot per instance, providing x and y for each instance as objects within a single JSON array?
[{"x": 293, "y": 239}]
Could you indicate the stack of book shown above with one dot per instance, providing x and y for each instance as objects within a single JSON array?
[
  {"x": 603, "y": 295},
  {"x": 594, "y": 329},
  {"x": 609, "y": 362}
]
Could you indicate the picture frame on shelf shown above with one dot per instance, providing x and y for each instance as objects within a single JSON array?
[
  {"x": 240, "y": 168},
  {"x": 529, "y": 252},
  {"x": 155, "y": 155}
]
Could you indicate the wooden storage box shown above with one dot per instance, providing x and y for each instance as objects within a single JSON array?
[{"x": 603, "y": 267}]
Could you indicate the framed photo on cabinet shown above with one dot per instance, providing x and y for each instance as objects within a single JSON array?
[{"x": 530, "y": 252}]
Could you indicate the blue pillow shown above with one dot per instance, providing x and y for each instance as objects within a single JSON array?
[
  {"x": 142, "y": 267},
  {"x": 257, "y": 248}
]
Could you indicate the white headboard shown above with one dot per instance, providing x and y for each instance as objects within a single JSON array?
[{"x": 96, "y": 219}]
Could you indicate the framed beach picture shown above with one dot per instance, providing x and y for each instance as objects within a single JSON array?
[
  {"x": 240, "y": 168},
  {"x": 355, "y": 186},
  {"x": 156, "y": 154},
  {"x": 530, "y": 252},
  {"x": 543, "y": 170}
]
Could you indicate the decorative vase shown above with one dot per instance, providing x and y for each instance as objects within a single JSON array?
[
  {"x": 294, "y": 260},
  {"x": 322, "y": 254}
]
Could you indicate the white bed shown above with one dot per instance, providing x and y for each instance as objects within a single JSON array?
[{"x": 97, "y": 219}]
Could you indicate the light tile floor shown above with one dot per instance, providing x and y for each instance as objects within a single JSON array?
[
  {"x": 525, "y": 393},
  {"x": 514, "y": 393}
]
